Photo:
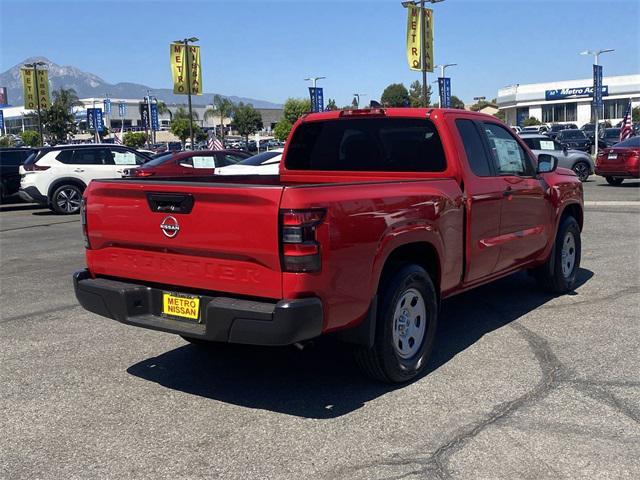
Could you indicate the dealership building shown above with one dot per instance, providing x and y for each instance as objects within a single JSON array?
[{"x": 568, "y": 101}]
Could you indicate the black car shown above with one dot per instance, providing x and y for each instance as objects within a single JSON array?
[
  {"x": 589, "y": 130},
  {"x": 574, "y": 139},
  {"x": 610, "y": 136},
  {"x": 554, "y": 130},
  {"x": 10, "y": 161}
]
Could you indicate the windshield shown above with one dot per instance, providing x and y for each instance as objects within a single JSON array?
[
  {"x": 589, "y": 127},
  {"x": 572, "y": 134},
  {"x": 259, "y": 159},
  {"x": 159, "y": 160},
  {"x": 612, "y": 132}
]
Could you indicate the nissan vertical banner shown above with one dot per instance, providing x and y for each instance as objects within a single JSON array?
[
  {"x": 317, "y": 99},
  {"x": 33, "y": 91},
  {"x": 179, "y": 69},
  {"x": 414, "y": 38},
  {"x": 444, "y": 86},
  {"x": 597, "y": 86},
  {"x": 1, "y": 121}
]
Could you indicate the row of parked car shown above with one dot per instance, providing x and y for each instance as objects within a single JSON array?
[
  {"x": 577, "y": 138},
  {"x": 57, "y": 176}
]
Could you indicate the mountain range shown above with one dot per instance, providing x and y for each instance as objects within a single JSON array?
[{"x": 88, "y": 85}]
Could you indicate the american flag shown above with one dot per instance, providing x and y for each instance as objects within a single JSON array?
[
  {"x": 213, "y": 143},
  {"x": 627, "y": 127},
  {"x": 118, "y": 138}
]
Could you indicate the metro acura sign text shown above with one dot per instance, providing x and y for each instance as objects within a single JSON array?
[{"x": 561, "y": 93}]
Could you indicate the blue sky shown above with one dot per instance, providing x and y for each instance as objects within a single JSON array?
[{"x": 264, "y": 49}]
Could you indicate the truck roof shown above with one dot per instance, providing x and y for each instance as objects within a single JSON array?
[{"x": 388, "y": 112}]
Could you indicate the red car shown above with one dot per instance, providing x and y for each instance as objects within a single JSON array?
[
  {"x": 619, "y": 161},
  {"x": 377, "y": 215},
  {"x": 187, "y": 163}
]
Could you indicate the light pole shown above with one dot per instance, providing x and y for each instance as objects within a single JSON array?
[
  {"x": 314, "y": 80},
  {"x": 596, "y": 54},
  {"x": 35, "y": 66},
  {"x": 423, "y": 41},
  {"x": 188, "y": 68},
  {"x": 442, "y": 69},
  {"x": 357, "y": 97}
]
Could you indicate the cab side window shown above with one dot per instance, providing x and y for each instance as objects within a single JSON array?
[
  {"x": 509, "y": 158},
  {"x": 473, "y": 147}
]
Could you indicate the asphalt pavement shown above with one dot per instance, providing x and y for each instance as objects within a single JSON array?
[{"x": 521, "y": 384}]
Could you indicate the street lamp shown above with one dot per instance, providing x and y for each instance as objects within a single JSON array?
[
  {"x": 186, "y": 42},
  {"x": 314, "y": 80},
  {"x": 442, "y": 69},
  {"x": 35, "y": 66},
  {"x": 357, "y": 97},
  {"x": 423, "y": 40},
  {"x": 596, "y": 54}
]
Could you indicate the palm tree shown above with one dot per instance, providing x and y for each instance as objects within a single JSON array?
[
  {"x": 66, "y": 98},
  {"x": 182, "y": 112},
  {"x": 162, "y": 109},
  {"x": 222, "y": 108}
]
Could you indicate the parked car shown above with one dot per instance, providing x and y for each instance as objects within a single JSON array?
[
  {"x": 554, "y": 129},
  {"x": 57, "y": 176},
  {"x": 187, "y": 163},
  {"x": 574, "y": 139},
  {"x": 378, "y": 215},
  {"x": 619, "y": 161},
  {"x": 589, "y": 130},
  {"x": 10, "y": 161},
  {"x": 531, "y": 129},
  {"x": 516, "y": 128},
  {"x": 265, "y": 163},
  {"x": 578, "y": 161},
  {"x": 610, "y": 136}
]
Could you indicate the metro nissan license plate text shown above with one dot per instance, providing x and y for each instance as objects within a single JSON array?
[{"x": 181, "y": 306}]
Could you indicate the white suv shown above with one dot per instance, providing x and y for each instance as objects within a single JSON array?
[{"x": 57, "y": 176}]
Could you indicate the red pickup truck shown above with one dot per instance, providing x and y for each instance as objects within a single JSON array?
[{"x": 377, "y": 215}]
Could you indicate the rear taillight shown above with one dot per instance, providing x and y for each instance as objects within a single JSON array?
[
  {"x": 300, "y": 247},
  {"x": 363, "y": 112},
  {"x": 34, "y": 167},
  {"x": 138, "y": 172},
  {"x": 83, "y": 222}
]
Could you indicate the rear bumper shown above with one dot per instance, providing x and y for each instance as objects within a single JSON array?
[
  {"x": 32, "y": 195},
  {"x": 223, "y": 319},
  {"x": 621, "y": 171}
]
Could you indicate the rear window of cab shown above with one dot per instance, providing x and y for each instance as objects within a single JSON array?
[{"x": 367, "y": 144}]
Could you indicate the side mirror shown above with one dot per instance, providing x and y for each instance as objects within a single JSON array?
[
  {"x": 547, "y": 163},
  {"x": 185, "y": 165}
]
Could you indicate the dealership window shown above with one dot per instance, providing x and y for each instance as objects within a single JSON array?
[
  {"x": 560, "y": 112},
  {"x": 615, "y": 108}
]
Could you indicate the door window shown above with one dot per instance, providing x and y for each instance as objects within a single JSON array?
[
  {"x": 203, "y": 162},
  {"x": 509, "y": 157},
  {"x": 125, "y": 157},
  {"x": 92, "y": 156},
  {"x": 474, "y": 148},
  {"x": 225, "y": 159}
]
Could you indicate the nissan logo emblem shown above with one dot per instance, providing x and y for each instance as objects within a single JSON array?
[{"x": 170, "y": 226}]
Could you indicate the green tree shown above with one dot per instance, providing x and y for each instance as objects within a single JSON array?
[
  {"x": 635, "y": 114},
  {"x": 282, "y": 129},
  {"x": 182, "y": 112},
  {"x": 395, "y": 95},
  {"x": 30, "y": 138},
  {"x": 415, "y": 95},
  {"x": 59, "y": 123},
  {"x": 67, "y": 98},
  {"x": 331, "y": 104},
  {"x": 6, "y": 141},
  {"x": 222, "y": 108},
  {"x": 531, "y": 121},
  {"x": 294, "y": 108},
  {"x": 246, "y": 119},
  {"x": 457, "y": 103},
  {"x": 180, "y": 128},
  {"x": 163, "y": 109},
  {"x": 135, "y": 139},
  {"x": 500, "y": 115}
]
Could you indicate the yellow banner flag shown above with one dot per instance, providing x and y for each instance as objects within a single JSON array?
[
  {"x": 414, "y": 38},
  {"x": 182, "y": 79},
  {"x": 35, "y": 88}
]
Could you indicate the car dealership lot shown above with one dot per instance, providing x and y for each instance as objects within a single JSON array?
[{"x": 521, "y": 384}]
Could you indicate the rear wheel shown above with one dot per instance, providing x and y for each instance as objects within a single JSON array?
[
  {"x": 405, "y": 327},
  {"x": 614, "y": 180},
  {"x": 582, "y": 170},
  {"x": 559, "y": 272},
  {"x": 66, "y": 199}
]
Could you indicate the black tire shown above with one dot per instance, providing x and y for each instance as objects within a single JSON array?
[
  {"x": 383, "y": 362},
  {"x": 66, "y": 200},
  {"x": 614, "y": 180},
  {"x": 582, "y": 170},
  {"x": 555, "y": 275}
]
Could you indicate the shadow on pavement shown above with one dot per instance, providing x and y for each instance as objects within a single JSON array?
[
  {"x": 10, "y": 206},
  {"x": 322, "y": 381}
]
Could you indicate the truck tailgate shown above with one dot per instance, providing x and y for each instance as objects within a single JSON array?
[{"x": 227, "y": 242}]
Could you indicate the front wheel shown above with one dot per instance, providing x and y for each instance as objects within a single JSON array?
[
  {"x": 66, "y": 200},
  {"x": 582, "y": 170},
  {"x": 405, "y": 327},
  {"x": 614, "y": 180},
  {"x": 559, "y": 272}
]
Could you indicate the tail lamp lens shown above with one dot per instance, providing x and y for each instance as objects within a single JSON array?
[
  {"x": 300, "y": 247},
  {"x": 83, "y": 222}
]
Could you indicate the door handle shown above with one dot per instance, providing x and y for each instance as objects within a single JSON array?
[
  {"x": 79, "y": 170},
  {"x": 508, "y": 192}
]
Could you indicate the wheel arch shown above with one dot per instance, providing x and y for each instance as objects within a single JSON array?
[
  {"x": 65, "y": 181},
  {"x": 574, "y": 210}
]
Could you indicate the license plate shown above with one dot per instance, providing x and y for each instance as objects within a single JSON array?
[
  {"x": 185, "y": 306},
  {"x": 612, "y": 156}
]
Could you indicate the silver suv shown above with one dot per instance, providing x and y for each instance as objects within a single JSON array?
[{"x": 580, "y": 162}]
